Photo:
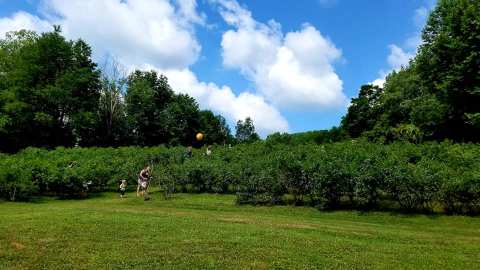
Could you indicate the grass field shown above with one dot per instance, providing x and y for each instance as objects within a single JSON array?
[{"x": 211, "y": 232}]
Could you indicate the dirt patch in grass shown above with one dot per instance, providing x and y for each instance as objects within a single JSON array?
[{"x": 17, "y": 246}]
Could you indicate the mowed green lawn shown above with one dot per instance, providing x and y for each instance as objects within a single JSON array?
[{"x": 211, "y": 232}]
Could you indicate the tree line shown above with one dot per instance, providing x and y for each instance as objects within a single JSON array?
[
  {"x": 52, "y": 94},
  {"x": 435, "y": 97}
]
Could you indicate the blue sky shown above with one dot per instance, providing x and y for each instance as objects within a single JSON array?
[{"x": 234, "y": 59}]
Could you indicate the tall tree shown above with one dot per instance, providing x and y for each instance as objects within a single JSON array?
[
  {"x": 215, "y": 128},
  {"x": 148, "y": 95},
  {"x": 245, "y": 131},
  {"x": 112, "y": 129},
  {"x": 49, "y": 92},
  {"x": 448, "y": 64},
  {"x": 182, "y": 120},
  {"x": 9, "y": 104},
  {"x": 437, "y": 95},
  {"x": 361, "y": 115}
]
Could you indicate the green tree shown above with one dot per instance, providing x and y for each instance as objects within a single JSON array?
[
  {"x": 394, "y": 106},
  {"x": 182, "y": 120},
  {"x": 362, "y": 113},
  {"x": 9, "y": 48},
  {"x": 245, "y": 131},
  {"x": 158, "y": 116},
  {"x": 112, "y": 126},
  {"x": 215, "y": 128},
  {"x": 147, "y": 96},
  {"x": 49, "y": 90},
  {"x": 448, "y": 65},
  {"x": 437, "y": 95}
]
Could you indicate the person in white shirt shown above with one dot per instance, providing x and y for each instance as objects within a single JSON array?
[
  {"x": 123, "y": 188},
  {"x": 209, "y": 150},
  {"x": 143, "y": 182}
]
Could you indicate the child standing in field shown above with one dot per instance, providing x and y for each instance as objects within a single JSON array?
[
  {"x": 209, "y": 150},
  {"x": 123, "y": 188}
]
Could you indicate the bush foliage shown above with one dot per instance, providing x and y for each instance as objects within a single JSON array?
[{"x": 355, "y": 174}]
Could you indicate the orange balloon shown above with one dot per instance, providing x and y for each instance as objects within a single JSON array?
[{"x": 199, "y": 136}]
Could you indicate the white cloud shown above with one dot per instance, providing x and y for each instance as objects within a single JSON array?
[
  {"x": 400, "y": 57},
  {"x": 249, "y": 50},
  {"x": 379, "y": 82},
  {"x": 150, "y": 34},
  {"x": 292, "y": 71},
  {"x": 23, "y": 20},
  {"x": 267, "y": 119},
  {"x": 189, "y": 13},
  {"x": 135, "y": 31},
  {"x": 397, "y": 59}
]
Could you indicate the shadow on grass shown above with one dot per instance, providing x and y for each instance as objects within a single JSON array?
[
  {"x": 383, "y": 206},
  {"x": 386, "y": 207},
  {"x": 56, "y": 197}
]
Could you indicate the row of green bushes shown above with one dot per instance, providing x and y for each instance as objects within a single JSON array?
[
  {"x": 427, "y": 177},
  {"x": 73, "y": 172}
]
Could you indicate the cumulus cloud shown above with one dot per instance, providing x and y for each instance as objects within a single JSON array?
[
  {"x": 189, "y": 13},
  {"x": 135, "y": 31},
  {"x": 23, "y": 20},
  {"x": 292, "y": 71},
  {"x": 150, "y": 34},
  {"x": 398, "y": 57},
  {"x": 267, "y": 119}
]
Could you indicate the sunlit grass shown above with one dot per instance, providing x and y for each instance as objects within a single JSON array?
[{"x": 211, "y": 232}]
